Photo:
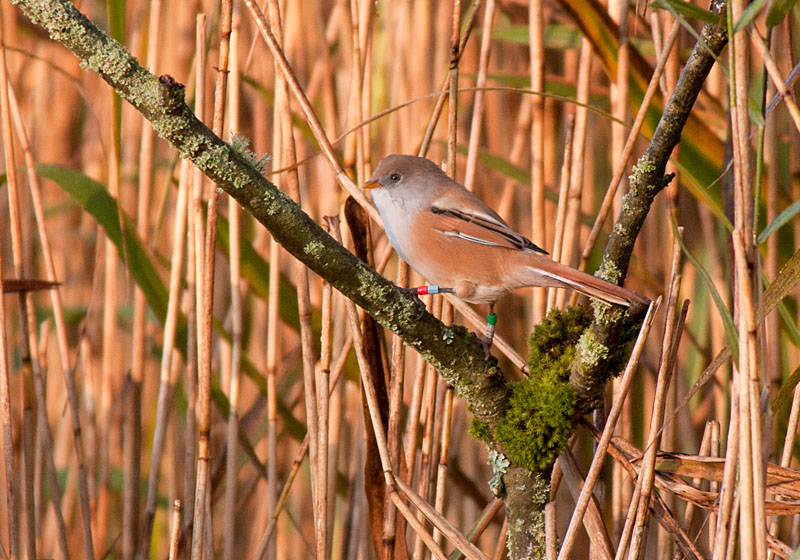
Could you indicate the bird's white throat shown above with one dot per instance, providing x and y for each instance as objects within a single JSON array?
[{"x": 397, "y": 214}]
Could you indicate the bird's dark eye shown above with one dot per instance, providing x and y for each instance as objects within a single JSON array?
[{"x": 395, "y": 177}]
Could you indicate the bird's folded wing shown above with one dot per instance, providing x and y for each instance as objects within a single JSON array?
[{"x": 480, "y": 228}]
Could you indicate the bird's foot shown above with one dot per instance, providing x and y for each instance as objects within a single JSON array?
[
  {"x": 485, "y": 343},
  {"x": 414, "y": 294},
  {"x": 424, "y": 290}
]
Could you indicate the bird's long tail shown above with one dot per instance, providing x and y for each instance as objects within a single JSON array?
[{"x": 538, "y": 270}]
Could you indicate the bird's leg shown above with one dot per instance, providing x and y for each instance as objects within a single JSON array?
[
  {"x": 486, "y": 343},
  {"x": 491, "y": 321},
  {"x": 424, "y": 291}
]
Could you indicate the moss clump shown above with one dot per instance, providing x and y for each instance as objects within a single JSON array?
[
  {"x": 539, "y": 419},
  {"x": 538, "y": 422},
  {"x": 558, "y": 333},
  {"x": 479, "y": 430}
]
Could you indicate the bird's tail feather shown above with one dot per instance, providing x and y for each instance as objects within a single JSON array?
[{"x": 551, "y": 273}]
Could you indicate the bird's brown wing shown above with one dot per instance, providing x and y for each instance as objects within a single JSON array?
[{"x": 482, "y": 228}]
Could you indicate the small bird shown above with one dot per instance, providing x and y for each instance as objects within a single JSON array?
[{"x": 460, "y": 245}]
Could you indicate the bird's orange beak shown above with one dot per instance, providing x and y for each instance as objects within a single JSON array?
[{"x": 372, "y": 184}]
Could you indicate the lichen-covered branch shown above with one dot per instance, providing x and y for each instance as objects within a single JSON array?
[
  {"x": 589, "y": 370},
  {"x": 527, "y": 494},
  {"x": 450, "y": 348}
]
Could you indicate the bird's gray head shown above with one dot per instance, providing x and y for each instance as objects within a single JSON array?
[{"x": 406, "y": 172}]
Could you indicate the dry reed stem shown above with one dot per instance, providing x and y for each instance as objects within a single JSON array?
[
  {"x": 618, "y": 10},
  {"x": 582, "y": 502},
  {"x": 28, "y": 344},
  {"x": 354, "y": 146},
  {"x": 452, "y": 534},
  {"x": 500, "y": 548},
  {"x": 771, "y": 328},
  {"x": 456, "y": 52},
  {"x": 272, "y": 325},
  {"x": 444, "y": 454},
  {"x": 481, "y": 524},
  {"x": 551, "y": 531},
  {"x": 673, "y": 327},
  {"x": 367, "y": 36},
  {"x": 288, "y": 150},
  {"x": 443, "y": 92},
  {"x": 323, "y": 388},
  {"x": 419, "y": 528},
  {"x": 561, "y": 207},
  {"x": 301, "y": 453},
  {"x": 752, "y": 521},
  {"x": 27, "y": 465},
  {"x": 206, "y": 294},
  {"x": 452, "y": 95},
  {"x": 204, "y": 274},
  {"x": 175, "y": 529},
  {"x": 658, "y": 44},
  {"x": 367, "y": 382},
  {"x": 627, "y": 528},
  {"x": 108, "y": 363},
  {"x": 206, "y": 312},
  {"x": 690, "y": 512},
  {"x": 623, "y": 452},
  {"x": 521, "y": 128},
  {"x": 433, "y": 120},
  {"x": 725, "y": 518},
  {"x": 479, "y": 101},
  {"x": 733, "y": 534},
  {"x": 713, "y": 486},
  {"x": 231, "y": 467},
  {"x": 132, "y": 436},
  {"x": 602, "y": 547},
  {"x": 394, "y": 436},
  {"x": 196, "y": 248},
  {"x": 272, "y": 334},
  {"x": 272, "y": 387},
  {"x": 413, "y": 416},
  {"x": 8, "y": 438},
  {"x": 428, "y": 401},
  {"x": 538, "y": 231},
  {"x": 774, "y": 74},
  {"x": 572, "y": 224},
  {"x": 13, "y": 511},
  {"x": 619, "y": 171},
  {"x": 323, "y": 399},
  {"x": 38, "y": 212},
  {"x": 164, "y": 404}
]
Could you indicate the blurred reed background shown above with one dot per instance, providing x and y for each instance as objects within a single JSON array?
[{"x": 92, "y": 359}]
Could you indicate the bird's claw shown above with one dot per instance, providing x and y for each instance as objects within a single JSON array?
[
  {"x": 485, "y": 343},
  {"x": 413, "y": 293}
]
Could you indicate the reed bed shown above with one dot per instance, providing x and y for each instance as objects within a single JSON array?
[{"x": 190, "y": 389}]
